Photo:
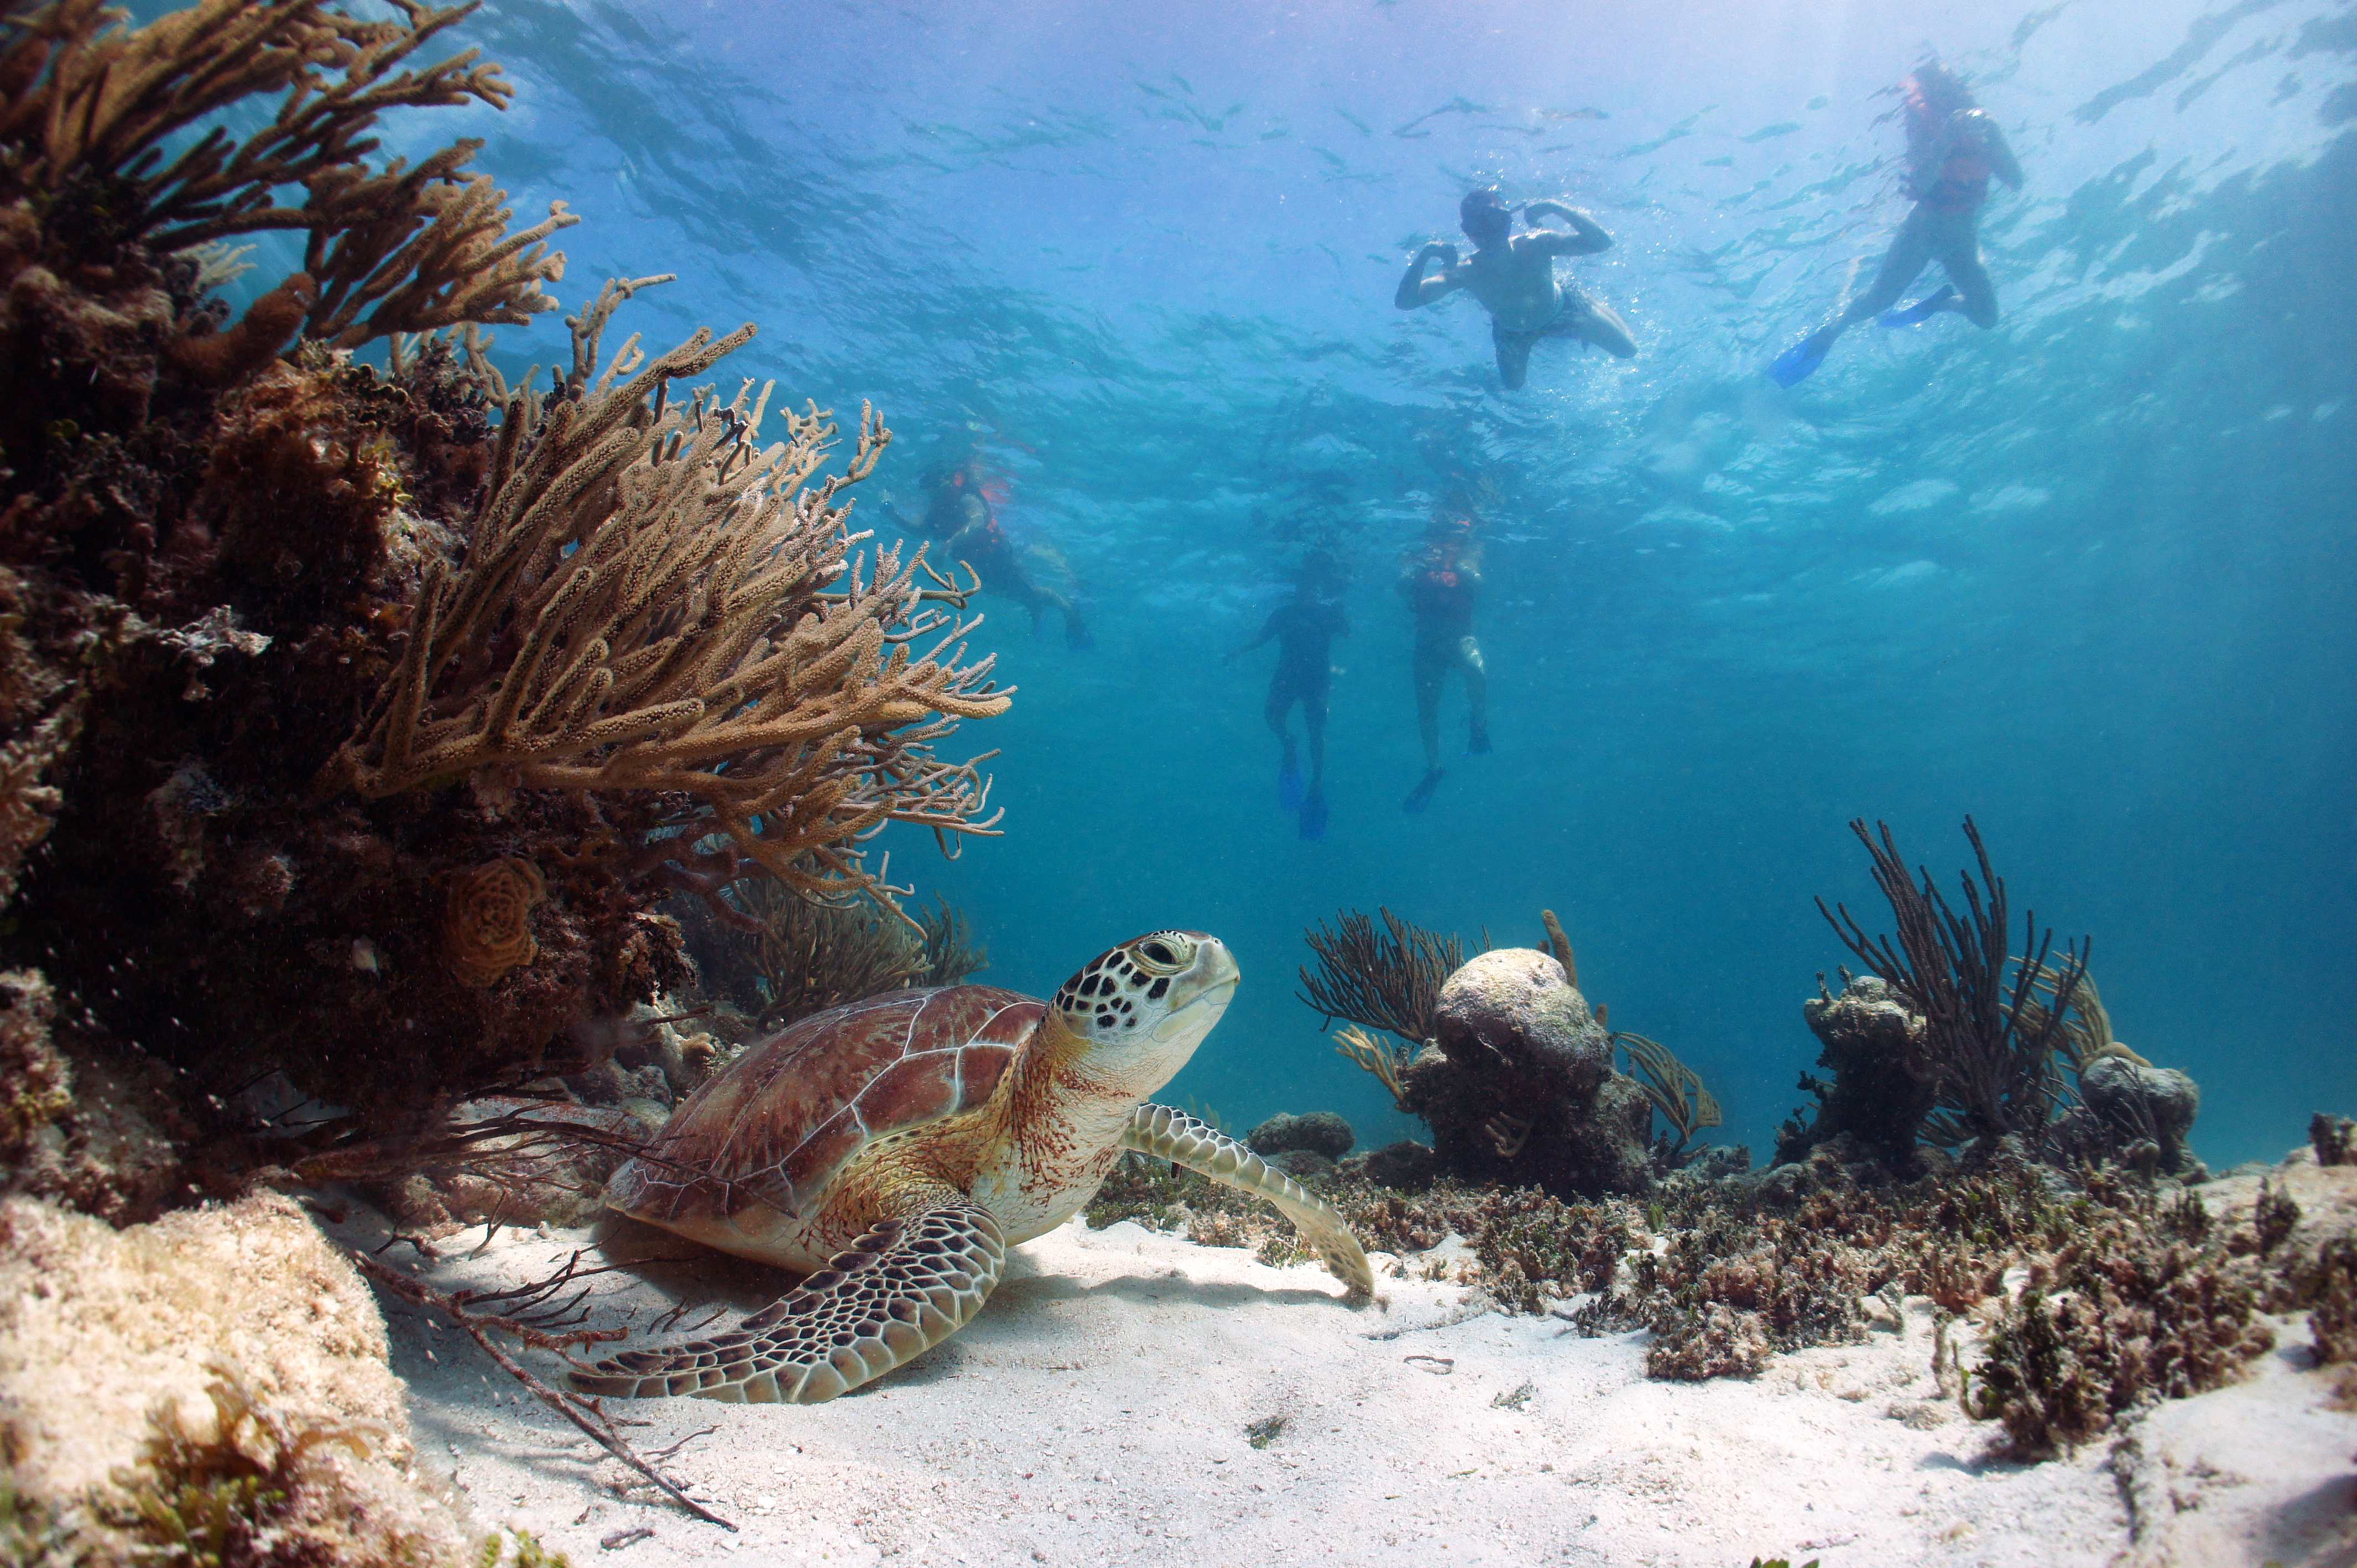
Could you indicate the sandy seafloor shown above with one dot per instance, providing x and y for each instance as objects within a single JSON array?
[{"x": 1096, "y": 1413}]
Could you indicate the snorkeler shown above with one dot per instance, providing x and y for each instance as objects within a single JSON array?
[
  {"x": 960, "y": 516},
  {"x": 1952, "y": 148},
  {"x": 1439, "y": 579},
  {"x": 1514, "y": 278},
  {"x": 1305, "y": 627}
]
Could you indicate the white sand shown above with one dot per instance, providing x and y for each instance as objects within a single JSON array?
[{"x": 1096, "y": 1413}]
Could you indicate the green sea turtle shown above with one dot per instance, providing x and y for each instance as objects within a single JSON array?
[{"x": 899, "y": 1145}]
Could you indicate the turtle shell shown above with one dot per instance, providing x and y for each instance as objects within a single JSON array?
[{"x": 791, "y": 1112}]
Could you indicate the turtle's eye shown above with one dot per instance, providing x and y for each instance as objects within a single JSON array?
[{"x": 1164, "y": 954}]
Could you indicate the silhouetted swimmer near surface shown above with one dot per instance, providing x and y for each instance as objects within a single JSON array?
[
  {"x": 1305, "y": 627},
  {"x": 1514, "y": 278},
  {"x": 961, "y": 518},
  {"x": 1952, "y": 148},
  {"x": 1440, "y": 578}
]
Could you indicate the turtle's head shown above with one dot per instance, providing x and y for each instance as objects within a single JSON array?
[{"x": 1148, "y": 1004}]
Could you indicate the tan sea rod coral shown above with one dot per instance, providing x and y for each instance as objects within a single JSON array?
[{"x": 651, "y": 601}]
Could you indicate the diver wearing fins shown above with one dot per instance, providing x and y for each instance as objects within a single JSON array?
[
  {"x": 1440, "y": 579},
  {"x": 1305, "y": 627},
  {"x": 1952, "y": 149}
]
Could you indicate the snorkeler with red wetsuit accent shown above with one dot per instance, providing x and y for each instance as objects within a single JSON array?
[
  {"x": 961, "y": 518},
  {"x": 1440, "y": 579},
  {"x": 1952, "y": 150}
]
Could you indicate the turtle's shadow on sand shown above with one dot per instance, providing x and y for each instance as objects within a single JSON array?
[
  {"x": 681, "y": 1270},
  {"x": 1021, "y": 1292},
  {"x": 684, "y": 1272}
]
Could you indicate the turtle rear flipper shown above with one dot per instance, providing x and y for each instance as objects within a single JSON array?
[
  {"x": 904, "y": 1286},
  {"x": 1174, "y": 1136}
]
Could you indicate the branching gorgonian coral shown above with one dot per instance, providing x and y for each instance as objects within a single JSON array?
[
  {"x": 1991, "y": 1041},
  {"x": 653, "y": 601},
  {"x": 93, "y": 110}
]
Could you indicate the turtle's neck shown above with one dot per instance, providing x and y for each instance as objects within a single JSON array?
[{"x": 1066, "y": 1095}]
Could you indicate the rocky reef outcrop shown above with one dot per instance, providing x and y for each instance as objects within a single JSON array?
[
  {"x": 1879, "y": 1091},
  {"x": 1518, "y": 1085},
  {"x": 213, "y": 1385}
]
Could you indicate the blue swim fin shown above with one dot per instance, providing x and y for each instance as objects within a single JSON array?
[
  {"x": 1313, "y": 815},
  {"x": 1799, "y": 362},
  {"x": 1288, "y": 781},
  {"x": 1922, "y": 310},
  {"x": 1421, "y": 796}
]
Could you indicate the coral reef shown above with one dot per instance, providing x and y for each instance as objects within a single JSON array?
[
  {"x": 2142, "y": 1112},
  {"x": 1387, "y": 1063},
  {"x": 1320, "y": 1133},
  {"x": 1404, "y": 1163},
  {"x": 2334, "y": 1138},
  {"x": 1953, "y": 1041},
  {"x": 2121, "y": 1313},
  {"x": 650, "y": 604},
  {"x": 487, "y": 925},
  {"x": 1505, "y": 1061},
  {"x": 1989, "y": 1054},
  {"x": 1879, "y": 1094},
  {"x": 182, "y": 1390},
  {"x": 1518, "y": 1086},
  {"x": 375, "y": 710},
  {"x": 2098, "y": 1298},
  {"x": 777, "y": 957}
]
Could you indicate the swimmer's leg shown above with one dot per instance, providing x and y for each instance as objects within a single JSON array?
[
  {"x": 1313, "y": 805},
  {"x": 1313, "y": 717},
  {"x": 1076, "y": 636},
  {"x": 1960, "y": 253},
  {"x": 1477, "y": 694},
  {"x": 1514, "y": 357},
  {"x": 1593, "y": 321},
  {"x": 1282, "y": 695},
  {"x": 1909, "y": 253},
  {"x": 1431, "y": 663}
]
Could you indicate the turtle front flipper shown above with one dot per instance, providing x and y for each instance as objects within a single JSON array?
[
  {"x": 904, "y": 1286},
  {"x": 1177, "y": 1137}
]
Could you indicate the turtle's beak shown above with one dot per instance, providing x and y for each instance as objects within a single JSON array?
[{"x": 1199, "y": 995}]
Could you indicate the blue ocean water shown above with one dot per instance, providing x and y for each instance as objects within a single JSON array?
[{"x": 2088, "y": 576}]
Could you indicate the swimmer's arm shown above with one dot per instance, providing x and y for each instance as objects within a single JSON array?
[
  {"x": 1268, "y": 630},
  {"x": 1416, "y": 287},
  {"x": 1582, "y": 237}
]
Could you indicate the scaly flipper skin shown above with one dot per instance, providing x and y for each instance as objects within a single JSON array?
[
  {"x": 904, "y": 1286},
  {"x": 1177, "y": 1137}
]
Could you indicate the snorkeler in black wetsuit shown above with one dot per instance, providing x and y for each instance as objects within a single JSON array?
[
  {"x": 1305, "y": 627},
  {"x": 1440, "y": 580},
  {"x": 1514, "y": 278},
  {"x": 1952, "y": 148},
  {"x": 959, "y": 518}
]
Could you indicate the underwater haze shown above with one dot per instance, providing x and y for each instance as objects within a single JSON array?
[{"x": 2086, "y": 576}]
